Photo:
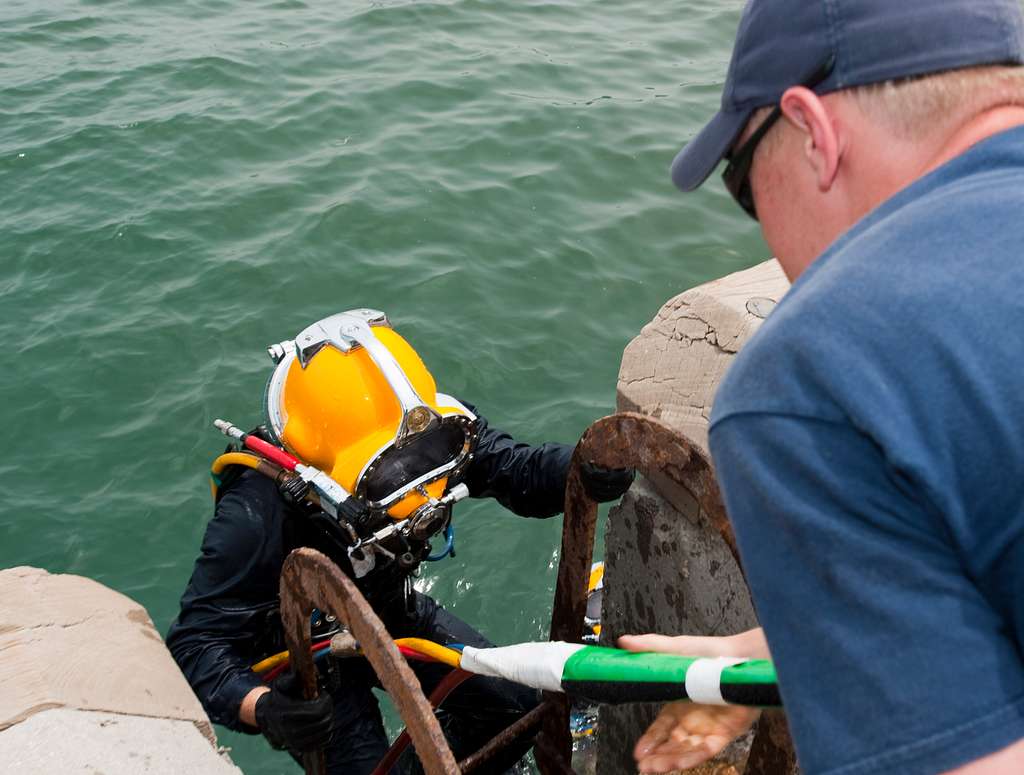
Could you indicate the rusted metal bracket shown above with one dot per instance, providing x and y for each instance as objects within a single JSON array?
[
  {"x": 309, "y": 579},
  {"x": 528, "y": 724},
  {"x": 630, "y": 440}
]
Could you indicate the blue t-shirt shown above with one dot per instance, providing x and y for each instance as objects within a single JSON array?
[{"x": 869, "y": 441}]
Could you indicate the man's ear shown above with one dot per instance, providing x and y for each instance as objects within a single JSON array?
[{"x": 823, "y": 146}]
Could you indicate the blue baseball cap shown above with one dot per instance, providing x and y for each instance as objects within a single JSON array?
[{"x": 781, "y": 42}]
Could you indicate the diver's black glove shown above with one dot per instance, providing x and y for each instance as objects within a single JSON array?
[
  {"x": 289, "y": 721},
  {"x": 605, "y": 484}
]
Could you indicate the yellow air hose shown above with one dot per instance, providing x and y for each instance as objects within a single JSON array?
[
  {"x": 428, "y": 648},
  {"x": 230, "y": 459},
  {"x": 448, "y": 656},
  {"x": 270, "y": 662}
]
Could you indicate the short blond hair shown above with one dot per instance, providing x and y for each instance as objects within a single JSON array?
[{"x": 917, "y": 107}]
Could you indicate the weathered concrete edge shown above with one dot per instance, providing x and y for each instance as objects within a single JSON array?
[
  {"x": 111, "y": 660},
  {"x": 671, "y": 370},
  {"x": 74, "y": 741},
  {"x": 205, "y": 728}
]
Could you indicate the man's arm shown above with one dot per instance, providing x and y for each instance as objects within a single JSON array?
[
  {"x": 685, "y": 734},
  {"x": 1009, "y": 759}
]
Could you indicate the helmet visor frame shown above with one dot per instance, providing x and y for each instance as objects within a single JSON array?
[{"x": 398, "y": 470}]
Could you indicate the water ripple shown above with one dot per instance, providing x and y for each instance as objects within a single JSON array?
[{"x": 185, "y": 182}]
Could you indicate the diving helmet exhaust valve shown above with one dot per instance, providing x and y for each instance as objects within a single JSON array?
[
  {"x": 436, "y": 513},
  {"x": 426, "y": 524}
]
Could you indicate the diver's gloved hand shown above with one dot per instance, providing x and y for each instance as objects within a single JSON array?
[
  {"x": 289, "y": 721},
  {"x": 605, "y": 484}
]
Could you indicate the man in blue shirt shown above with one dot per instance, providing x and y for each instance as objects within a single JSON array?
[{"x": 869, "y": 440}]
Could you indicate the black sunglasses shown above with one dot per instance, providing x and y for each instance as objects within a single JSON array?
[{"x": 737, "y": 171}]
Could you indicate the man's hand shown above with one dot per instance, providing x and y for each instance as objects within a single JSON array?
[
  {"x": 685, "y": 735},
  {"x": 289, "y": 721},
  {"x": 605, "y": 484}
]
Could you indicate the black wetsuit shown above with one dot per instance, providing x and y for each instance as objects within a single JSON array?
[{"x": 229, "y": 613}]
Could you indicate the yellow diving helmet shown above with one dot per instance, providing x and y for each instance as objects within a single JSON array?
[{"x": 352, "y": 398}]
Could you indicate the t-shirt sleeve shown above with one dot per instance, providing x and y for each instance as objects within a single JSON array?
[{"x": 865, "y": 603}]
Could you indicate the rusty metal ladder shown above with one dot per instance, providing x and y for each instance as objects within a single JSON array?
[{"x": 625, "y": 440}]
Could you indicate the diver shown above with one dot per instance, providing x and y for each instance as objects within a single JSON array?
[{"x": 382, "y": 456}]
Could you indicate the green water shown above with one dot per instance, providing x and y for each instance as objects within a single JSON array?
[{"x": 182, "y": 183}]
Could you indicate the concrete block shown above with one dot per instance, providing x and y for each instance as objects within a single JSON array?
[
  {"x": 75, "y": 742},
  {"x": 69, "y": 642},
  {"x": 672, "y": 369},
  {"x": 669, "y": 572}
]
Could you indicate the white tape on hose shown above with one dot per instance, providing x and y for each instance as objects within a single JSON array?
[
  {"x": 538, "y": 665},
  {"x": 704, "y": 680}
]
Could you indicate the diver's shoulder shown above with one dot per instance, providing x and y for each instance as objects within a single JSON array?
[{"x": 252, "y": 498}]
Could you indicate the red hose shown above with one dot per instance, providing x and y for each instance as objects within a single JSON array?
[
  {"x": 270, "y": 452},
  {"x": 448, "y": 684},
  {"x": 409, "y": 653},
  {"x": 273, "y": 673}
]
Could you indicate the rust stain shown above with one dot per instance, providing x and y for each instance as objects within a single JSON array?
[{"x": 630, "y": 440}]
